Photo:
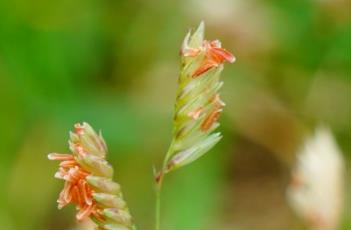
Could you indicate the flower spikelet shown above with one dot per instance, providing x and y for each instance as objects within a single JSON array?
[
  {"x": 88, "y": 181},
  {"x": 198, "y": 104}
]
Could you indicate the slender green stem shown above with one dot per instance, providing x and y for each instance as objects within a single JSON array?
[
  {"x": 158, "y": 201},
  {"x": 158, "y": 209},
  {"x": 159, "y": 181}
]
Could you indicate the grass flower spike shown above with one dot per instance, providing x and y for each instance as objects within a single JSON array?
[
  {"x": 198, "y": 104},
  {"x": 88, "y": 181},
  {"x": 316, "y": 189}
]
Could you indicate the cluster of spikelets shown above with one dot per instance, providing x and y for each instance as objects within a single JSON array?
[
  {"x": 88, "y": 181},
  {"x": 198, "y": 104},
  {"x": 316, "y": 189}
]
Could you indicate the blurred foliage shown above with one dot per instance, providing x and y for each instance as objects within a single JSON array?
[{"x": 115, "y": 65}]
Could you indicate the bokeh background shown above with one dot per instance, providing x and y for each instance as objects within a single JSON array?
[{"x": 115, "y": 64}]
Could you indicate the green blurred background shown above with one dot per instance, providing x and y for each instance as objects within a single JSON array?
[{"x": 115, "y": 64}]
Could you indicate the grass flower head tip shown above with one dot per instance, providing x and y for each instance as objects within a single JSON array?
[{"x": 88, "y": 181}]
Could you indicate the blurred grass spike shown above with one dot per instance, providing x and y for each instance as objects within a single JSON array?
[
  {"x": 88, "y": 181},
  {"x": 198, "y": 105},
  {"x": 316, "y": 188}
]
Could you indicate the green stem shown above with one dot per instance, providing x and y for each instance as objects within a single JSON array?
[
  {"x": 158, "y": 209},
  {"x": 159, "y": 182},
  {"x": 158, "y": 202}
]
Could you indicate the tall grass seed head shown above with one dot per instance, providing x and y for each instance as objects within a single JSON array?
[
  {"x": 316, "y": 188},
  {"x": 88, "y": 181},
  {"x": 198, "y": 104}
]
